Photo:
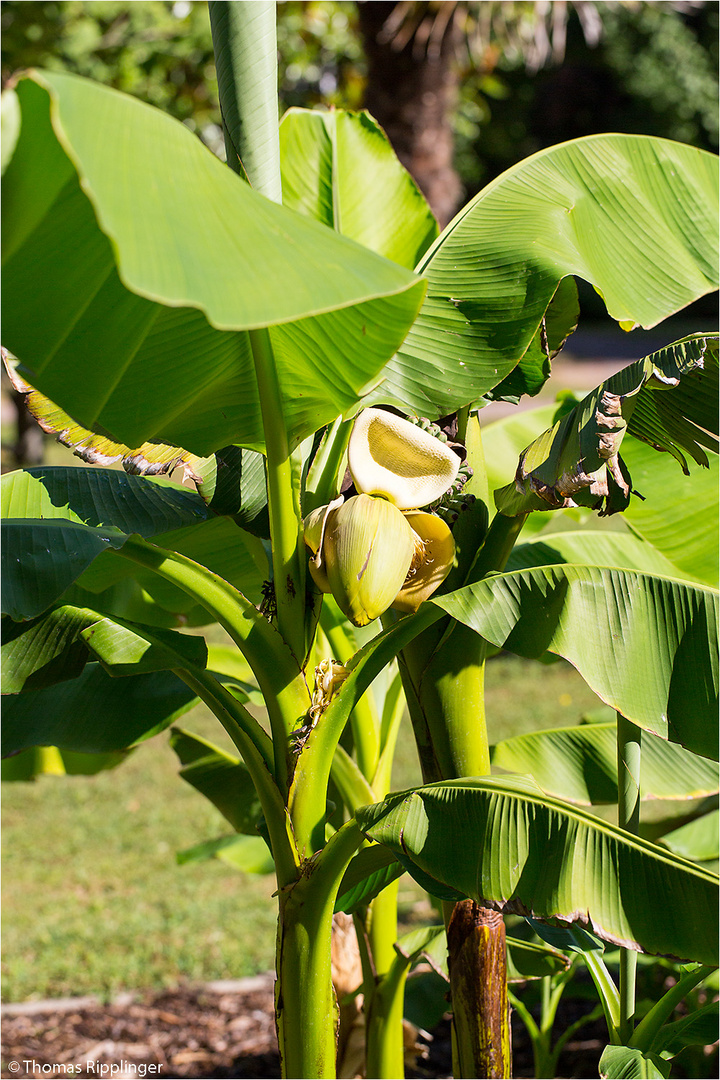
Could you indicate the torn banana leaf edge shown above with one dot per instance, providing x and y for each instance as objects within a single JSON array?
[{"x": 577, "y": 462}]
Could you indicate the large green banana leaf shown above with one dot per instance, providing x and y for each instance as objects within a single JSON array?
[
  {"x": 678, "y": 514},
  {"x": 59, "y": 522},
  {"x": 367, "y": 874},
  {"x": 127, "y": 650},
  {"x": 646, "y": 645},
  {"x": 54, "y": 554},
  {"x": 579, "y": 765},
  {"x": 504, "y": 843},
  {"x": 44, "y": 651},
  {"x": 635, "y": 216},
  {"x": 697, "y": 839},
  {"x": 94, "y": 713},
  {"x": 218, "y": 544},
  {"x": 55, "y": 695},
  {"x": 131, "y": 601},
  {"x": 323, "y": 153},
  {"x": 149, "y": 259},
  {"x": 592, "y": 547},
  {"x": 94, "y": 447},
  {"x": 628, "y": 1063},
  {"x": 54, "y": 648},
  {"x": 100, "y": 498}
]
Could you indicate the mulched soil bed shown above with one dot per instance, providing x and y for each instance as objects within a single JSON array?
[{"x": 204, "y": 1031}]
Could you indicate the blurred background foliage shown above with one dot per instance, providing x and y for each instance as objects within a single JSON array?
[{"x": 514, "y": 76}]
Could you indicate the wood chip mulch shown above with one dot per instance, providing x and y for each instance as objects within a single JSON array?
[
  {"x": 190, "y": 1032},
  {"x": 202, "y": 1031}
]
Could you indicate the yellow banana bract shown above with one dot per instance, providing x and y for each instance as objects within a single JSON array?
[
  {"x": 367, "y": 550},
  {"x": 433, "y": 560},
  {"x": 390, "y": 456},
  {"x": 314, "y": 534}
]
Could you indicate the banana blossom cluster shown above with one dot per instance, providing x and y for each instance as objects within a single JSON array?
[{"x": 377, "y": 550}]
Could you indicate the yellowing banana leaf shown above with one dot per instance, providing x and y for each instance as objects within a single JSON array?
[
  {"x": 633, "y": 215},
  {"x": 150, "y": 459},
  {"x": 646, "y": 645},
  {"x": 504, "y": 843},
  {"x": 579, "y": 764},
  {"x": 322, "y": 156},
  {"x": 578, "y": 462},
  {"x": 148, "y": 260},
  {"x": 231, "y": 481}
]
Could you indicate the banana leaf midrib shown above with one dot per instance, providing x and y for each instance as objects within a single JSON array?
[
  {"x": 554, "y": 567},
  {"x": 583, "y": 818}
]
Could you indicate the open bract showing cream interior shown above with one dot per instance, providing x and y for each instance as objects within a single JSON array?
[{"x": 391, "y": 457}]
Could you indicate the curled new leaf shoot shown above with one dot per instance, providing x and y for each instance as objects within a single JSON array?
[{"x": 389, "y": 456}]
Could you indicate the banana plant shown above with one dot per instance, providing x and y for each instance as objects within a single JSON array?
[{"x": 313, "y": 355}]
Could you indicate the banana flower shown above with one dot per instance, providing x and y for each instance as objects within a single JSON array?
[{"x": 377, "y": 550}]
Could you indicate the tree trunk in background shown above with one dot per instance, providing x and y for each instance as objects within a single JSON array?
[
  {"x": 412, "y": 97},
  {"x": 28, "y": 449}
]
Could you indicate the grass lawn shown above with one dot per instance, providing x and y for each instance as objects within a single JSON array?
[{"x": 94, "y": 901}]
